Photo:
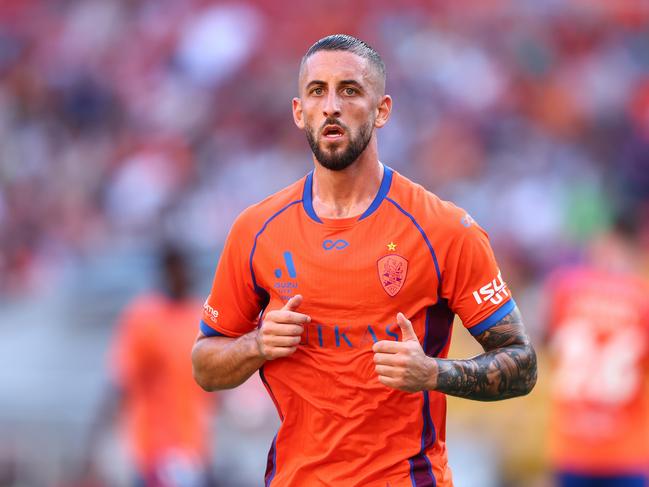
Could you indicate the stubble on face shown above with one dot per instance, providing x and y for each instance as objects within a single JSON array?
[
  {"x": 337, "y": 158},
  {"x": 338, "y": 155}
]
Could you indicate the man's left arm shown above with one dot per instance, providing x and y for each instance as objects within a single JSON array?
[{"x": 506, "y": 369}]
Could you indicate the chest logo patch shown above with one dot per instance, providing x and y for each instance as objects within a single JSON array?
[
  {"x": 392, "y": 273},
  {"x": 338, "y": 244}
]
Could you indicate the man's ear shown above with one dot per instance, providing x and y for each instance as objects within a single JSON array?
[
  {"x": 297, "y": 113},
  {"x": 383, "y": 111}
]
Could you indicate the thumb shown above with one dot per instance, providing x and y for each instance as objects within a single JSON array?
[
  {"x": 407, "y": 332},
  {"x": 294, "y": 303}
]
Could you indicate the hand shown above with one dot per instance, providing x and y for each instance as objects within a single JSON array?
[
  {"x": 404, "y": 365},
  {"x": 281, "y": 331}
]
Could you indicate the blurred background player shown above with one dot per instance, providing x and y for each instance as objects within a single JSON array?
[
  {"x": 599, "y": 340},
  {"x": 165, "y": 416}
]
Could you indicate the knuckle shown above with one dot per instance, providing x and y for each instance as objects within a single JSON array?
[{"x": 267, "y": 328}]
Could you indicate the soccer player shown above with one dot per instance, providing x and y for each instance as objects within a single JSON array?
[
  {"x": 599, "y": 338},
  {"x": 341, "y": 290},
  {"x": 165, "y": 415}
]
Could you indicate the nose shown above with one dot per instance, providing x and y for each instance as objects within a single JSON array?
[{"x": 332, "y": 105}]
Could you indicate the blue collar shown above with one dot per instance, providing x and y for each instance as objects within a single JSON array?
[{"x": 307, "y": 196}]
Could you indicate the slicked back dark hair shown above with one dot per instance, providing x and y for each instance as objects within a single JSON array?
[{"x": 344, "y": 42}]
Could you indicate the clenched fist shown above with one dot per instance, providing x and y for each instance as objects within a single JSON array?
[
  {"x": 404, "y": 365},
  {"x": 281, "y": 330}
]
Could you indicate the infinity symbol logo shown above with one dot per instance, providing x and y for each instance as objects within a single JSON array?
[{"x": 338, "y": 244}]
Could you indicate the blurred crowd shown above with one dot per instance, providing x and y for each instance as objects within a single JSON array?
[{"x": 126, "y": 121}]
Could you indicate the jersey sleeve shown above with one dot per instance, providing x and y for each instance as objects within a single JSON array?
[
  {"x": 233, "y": 306},
  {"x": 472, "y": 283}
]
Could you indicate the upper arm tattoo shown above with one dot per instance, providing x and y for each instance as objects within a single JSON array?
[
  {"x": 506, "y": 369},
  {"x": 508, "y": 331}
]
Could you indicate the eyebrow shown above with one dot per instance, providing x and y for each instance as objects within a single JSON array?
[{"x": 352, "y": 82}]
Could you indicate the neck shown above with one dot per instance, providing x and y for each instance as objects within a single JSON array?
[{"x": 347, "y": 193}]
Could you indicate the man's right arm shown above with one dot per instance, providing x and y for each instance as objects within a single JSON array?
[{"x": 225, "y": 363}]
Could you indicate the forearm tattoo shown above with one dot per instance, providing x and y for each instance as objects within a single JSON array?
[{"x": 506, "y": 369}]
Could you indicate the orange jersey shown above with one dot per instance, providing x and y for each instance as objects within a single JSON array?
[
  {"x": 409, "y": 252},
  {"x": 599, "y": 336},
  {"x": 165, "y": 412}
]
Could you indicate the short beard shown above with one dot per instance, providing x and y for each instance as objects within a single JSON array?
[{"x": 335, "y": 160}]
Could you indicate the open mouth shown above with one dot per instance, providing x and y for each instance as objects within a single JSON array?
[{"x": 333, "y": 132}]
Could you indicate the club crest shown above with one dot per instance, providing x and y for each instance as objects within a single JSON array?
[{"x": 392, "y": 273}]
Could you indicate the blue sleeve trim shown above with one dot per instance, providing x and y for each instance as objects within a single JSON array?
[
  {"x": 494, "y": 318},
  {"x": 386, "y": 182},
  {"x": 307, "y": 198},
  {"x": 208, "y": 331}
]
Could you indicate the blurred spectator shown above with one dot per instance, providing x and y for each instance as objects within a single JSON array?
[
  {"x": 121, "y": 118},
  {"x": 165, "y": 416},
  {"x": 599, "y": 341}
]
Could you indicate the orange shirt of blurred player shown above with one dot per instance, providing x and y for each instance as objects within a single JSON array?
[
  {"x": 599, "y": 336},
  {"x": 165, "y": 412}
]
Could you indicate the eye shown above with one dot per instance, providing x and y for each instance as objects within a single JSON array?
[
  {"x": 350, "y": 91},
  {"x": 317, "y": 91}
]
